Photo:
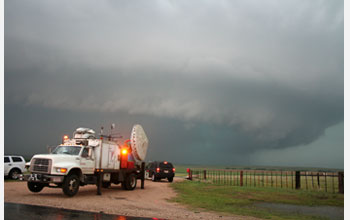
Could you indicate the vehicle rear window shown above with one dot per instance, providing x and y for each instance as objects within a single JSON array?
[
  {"x": 17, "y": 159},
  {"x": 166, "y": 165},
  {"x": 7, "y": 160}
]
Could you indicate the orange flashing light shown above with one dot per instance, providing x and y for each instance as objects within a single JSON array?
[
  {"x": 65, "y": 137},
  {"x": 165, "y": 162},
  {"x": 124, "y": 151},
  {"x": 63, "y": 170}
]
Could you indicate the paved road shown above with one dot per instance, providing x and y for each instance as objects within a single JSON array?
[{"x": 32, "y": 212}]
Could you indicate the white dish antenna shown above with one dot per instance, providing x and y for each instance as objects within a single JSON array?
[{"x": 139, "y": 142}]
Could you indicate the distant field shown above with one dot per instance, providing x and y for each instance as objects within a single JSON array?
[
  {"x": 273, "y": 168},
  {"x": 243, "y": 200}
]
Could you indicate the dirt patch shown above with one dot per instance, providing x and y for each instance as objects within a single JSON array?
[{"x": 149, "y": 202}]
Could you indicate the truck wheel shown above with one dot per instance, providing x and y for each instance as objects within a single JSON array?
[
  {"x": 130, "y": 182},
  {"x": 106, "y": 184},
  {"x": 170, "y": 179},
  {"x": 154, "y": 178},
  {"x": 35, "y": 187},
  {"x": 14, "y": 173},
  {"x": 71, "y": 185}
]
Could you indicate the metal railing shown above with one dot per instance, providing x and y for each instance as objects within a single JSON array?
[{"x": 308, "y": 180}]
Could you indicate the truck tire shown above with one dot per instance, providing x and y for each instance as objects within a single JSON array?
[
  {"x": 106, "y": 184},
  {"x": 154, "y": 178},
  {"x": 35, "y": 187},
  {"x": 14, "y": 173},
  {"x": 70, "y": 185},
  {"x": 170, "y": 179},
  {"x": 130, "y": 181}
]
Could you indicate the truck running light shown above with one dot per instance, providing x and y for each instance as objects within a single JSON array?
[
  {"x": 158, "y": 169},
  {"x": 174, "y": 170},
  {"x": 165, "y": 162},
  {"x": 61, "y": 170}
]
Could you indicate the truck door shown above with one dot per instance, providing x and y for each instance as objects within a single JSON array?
[
  {"x": 7, "y": 165},
  {"x": 87, "y": 161}
]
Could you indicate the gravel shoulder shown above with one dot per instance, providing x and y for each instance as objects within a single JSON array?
[{"x": 149, "y": 202}]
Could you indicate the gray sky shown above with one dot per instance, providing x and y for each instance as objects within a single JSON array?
[{"x": 212, "y": 82}]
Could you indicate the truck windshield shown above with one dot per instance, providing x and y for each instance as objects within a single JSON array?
[{"x": 71, "y": 150}]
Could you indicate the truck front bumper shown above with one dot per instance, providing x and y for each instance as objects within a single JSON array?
[{"x": 42, "y": 178}]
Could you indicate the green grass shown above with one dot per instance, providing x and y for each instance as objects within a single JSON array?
[{"x": 240, "y": 200}]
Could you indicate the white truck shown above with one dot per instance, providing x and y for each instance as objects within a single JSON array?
[{"x": 85, "y": 159}]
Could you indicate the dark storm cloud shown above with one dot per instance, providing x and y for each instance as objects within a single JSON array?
[{"x": 240, "y": 76}]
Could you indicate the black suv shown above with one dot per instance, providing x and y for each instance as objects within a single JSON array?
[{"x": 158, "y": 170}]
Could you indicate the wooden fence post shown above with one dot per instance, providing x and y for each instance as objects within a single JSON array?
[
  {"x": 341, "y": 182},
  {"x": 205, "y": 174},
  {"x": 297, "y": 179},
  {"x": 281, "y": 179},
  {"x": 306, "y": 180},
  {"x": 241, "y": 178},
  {"x": 190, "y": 175}
]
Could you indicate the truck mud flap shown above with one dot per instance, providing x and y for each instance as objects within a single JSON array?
[{"x": 90, "y": 179}]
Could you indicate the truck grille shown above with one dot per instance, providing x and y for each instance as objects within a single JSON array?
[{"x": 41, "y": 165}]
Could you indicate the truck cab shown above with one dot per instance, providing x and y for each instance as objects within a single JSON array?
[{"x": 65, "y": 160}]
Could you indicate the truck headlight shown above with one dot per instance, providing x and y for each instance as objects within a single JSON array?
[{"x": 61, "y": 170}]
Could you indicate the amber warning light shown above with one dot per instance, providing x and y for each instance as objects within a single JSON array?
[
  {"x": 124, "y": 151},
  {"x": 65, "y": 138}
]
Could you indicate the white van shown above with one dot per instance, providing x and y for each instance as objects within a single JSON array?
[{"x": 13, "y": 166}]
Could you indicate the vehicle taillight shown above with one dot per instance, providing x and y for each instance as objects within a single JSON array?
[
  {"x": 158, "y": 169},
  {"x": 174, "y": 170}
]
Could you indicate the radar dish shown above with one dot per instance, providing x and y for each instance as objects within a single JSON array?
[{"x": 139, "y": 142}]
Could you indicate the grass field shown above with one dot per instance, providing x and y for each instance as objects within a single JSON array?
[{"x": 241, "y": 200}]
